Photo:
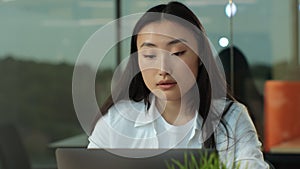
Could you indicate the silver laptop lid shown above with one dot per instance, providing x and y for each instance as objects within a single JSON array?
[{"x": 82, "y": 158}]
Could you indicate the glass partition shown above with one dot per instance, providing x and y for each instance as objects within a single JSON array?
[
  {"x": 267, "y": 34},
  {"x": 41, "y": 40}
]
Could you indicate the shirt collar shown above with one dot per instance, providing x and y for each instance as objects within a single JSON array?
[
  {"x": 197, "y": 125},
  {"x": 148, "y": 116}
]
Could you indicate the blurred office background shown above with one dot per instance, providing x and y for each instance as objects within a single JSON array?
[{"x": 40, "y": 41}]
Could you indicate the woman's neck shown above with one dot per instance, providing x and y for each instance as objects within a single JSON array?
[{"x": 175, "y": 112}]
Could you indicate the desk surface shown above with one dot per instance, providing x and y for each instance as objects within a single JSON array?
[{"x": 292, "y": 146}]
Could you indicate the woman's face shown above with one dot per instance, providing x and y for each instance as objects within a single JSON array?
[{"x": 167, "y": 62}]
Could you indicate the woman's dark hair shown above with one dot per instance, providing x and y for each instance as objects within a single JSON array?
[
  {"x": 138, "y": 91},
  {"x": 244, "y": 89}
]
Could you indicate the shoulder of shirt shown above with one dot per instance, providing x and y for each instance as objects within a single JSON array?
[
  {"x": 236, "y": 111},
  {"x": 124, "y": 110}
]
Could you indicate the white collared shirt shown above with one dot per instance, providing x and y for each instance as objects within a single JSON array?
[{"x": 129, "y": 124}]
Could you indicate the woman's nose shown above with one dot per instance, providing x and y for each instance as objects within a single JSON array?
[
  {"x": 163, "y": 73},
  {"x": 164, "y": 68}
]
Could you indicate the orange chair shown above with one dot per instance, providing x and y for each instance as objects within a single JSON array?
[{"x": 282, "y": 115}]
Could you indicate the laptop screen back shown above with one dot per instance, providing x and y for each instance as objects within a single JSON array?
[{"x": 81, "y": 158}]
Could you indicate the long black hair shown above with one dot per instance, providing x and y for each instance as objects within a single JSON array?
[{"x": 138, "y": 91}]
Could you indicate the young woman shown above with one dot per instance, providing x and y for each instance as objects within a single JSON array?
[{"x": 173, "y": 95}]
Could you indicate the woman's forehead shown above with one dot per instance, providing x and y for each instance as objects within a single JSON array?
[{"x": 166, "y": 30}]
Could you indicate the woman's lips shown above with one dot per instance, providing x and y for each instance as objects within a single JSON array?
[{"x": 165, "y": 85}]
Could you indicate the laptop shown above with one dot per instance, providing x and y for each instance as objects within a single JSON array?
[{"x": 82, "y": 158}]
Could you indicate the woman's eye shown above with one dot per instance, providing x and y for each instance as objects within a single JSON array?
[
  {"x": 149, "y": 56},
  {"x": 179, "y": 53}
]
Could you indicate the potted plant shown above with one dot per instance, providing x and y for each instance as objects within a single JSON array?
[{"x": 206, "y": 161}]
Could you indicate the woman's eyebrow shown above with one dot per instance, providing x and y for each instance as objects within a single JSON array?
[
  {"x": 175, "y": 41},
  {"x": 148, "y": 44}
]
